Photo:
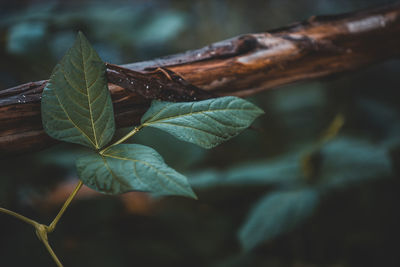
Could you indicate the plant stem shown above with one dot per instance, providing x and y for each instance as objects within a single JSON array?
[
  {"x": 53, "y": 224},
  {"x": 19, "y": 216},
  {"x": 41, "y": 229},
  {"x": 124, "y": 138},
  {"x": 53, "y": 255},
  {"x": 41, "y": 232}
]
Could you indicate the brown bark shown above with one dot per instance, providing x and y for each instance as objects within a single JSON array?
[{"x": 240, "y": 66}]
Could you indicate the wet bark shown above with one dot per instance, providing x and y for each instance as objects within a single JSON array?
[{"x": 241, "y": 66}]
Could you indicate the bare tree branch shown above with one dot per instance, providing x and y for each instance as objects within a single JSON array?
[{"x": 241, "y": 66}]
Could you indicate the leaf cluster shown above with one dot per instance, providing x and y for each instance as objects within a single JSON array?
[{"x": 77, "y": 108}]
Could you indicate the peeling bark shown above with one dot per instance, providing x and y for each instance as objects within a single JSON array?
[{"x": 241, "y": 66}]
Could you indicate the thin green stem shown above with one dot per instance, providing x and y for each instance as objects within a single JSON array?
[
  {"x": 19, "y": 216},
  {"x": 53, "y": 224},
  {"x": 41, "y": 232},
  {"x": 124, "y": 138},
  {"x": 53, "y": 255}
]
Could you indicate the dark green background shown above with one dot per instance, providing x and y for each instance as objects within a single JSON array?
[{"x": 355, "y": 221}]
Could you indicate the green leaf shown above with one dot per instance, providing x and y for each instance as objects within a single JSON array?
[
  {"x": 280, "y": 171},
  {"x": 131, "y": 167},
  {"x": 76, "y": 104},
  {"x": 276, "y": 213},
  {"x": 167, "y": 146},
  {"x": 350, "y": 161},
  {"x": 205, "y": 123}
]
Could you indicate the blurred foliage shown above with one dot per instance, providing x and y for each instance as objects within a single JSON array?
[
  {"x": 254, "y": 192},
  {"x": 276, "y": 213}
]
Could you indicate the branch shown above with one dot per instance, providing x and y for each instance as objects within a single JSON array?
[{"x": 241, "y": 66}]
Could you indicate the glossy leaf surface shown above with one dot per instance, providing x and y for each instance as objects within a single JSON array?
[
  {"x": 205, "y": 123},
  {"x": 76, "y": 104},
  {"x": 131, "y": 167}
]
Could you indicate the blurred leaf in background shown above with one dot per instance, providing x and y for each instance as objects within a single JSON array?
[
  {"x": 276, "y": 213},
  {"x": 24, "y": 37},
  {"x": 346, "y": 214}
]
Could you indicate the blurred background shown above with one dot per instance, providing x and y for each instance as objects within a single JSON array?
[{"x": 314, "y": 184}]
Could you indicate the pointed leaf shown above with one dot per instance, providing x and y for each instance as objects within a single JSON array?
[
  {"x": 205, "y": 123},
  {"x": 275, "y": 214},
  {"x": 131, "y": 167},
  {"x": 76, "y": 104}
]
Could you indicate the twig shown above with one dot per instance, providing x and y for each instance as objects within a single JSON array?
[{"x": 241, "y": 66}]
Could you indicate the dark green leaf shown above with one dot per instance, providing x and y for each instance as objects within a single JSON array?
[
  {"x": 168, "y": 146},
  {"x": 76, "y": 104},
  {"x": 275, "y": 214},
  {"x": 345, "y": 161},
  {"x": 131, "y": 167},
  {"x": 205, "y": 123},
  {"x": 279, "y": 171},
  {"x": 350, "y": 161}
]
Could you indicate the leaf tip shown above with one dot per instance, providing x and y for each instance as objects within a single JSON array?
[
  {"x": 81, "y": 38},
  {"x": 194, "y": 196},
  {"x": 80, "y": 34},
  {"x": 190, "y": 193},
  {"x": 258, "y": 110}
]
